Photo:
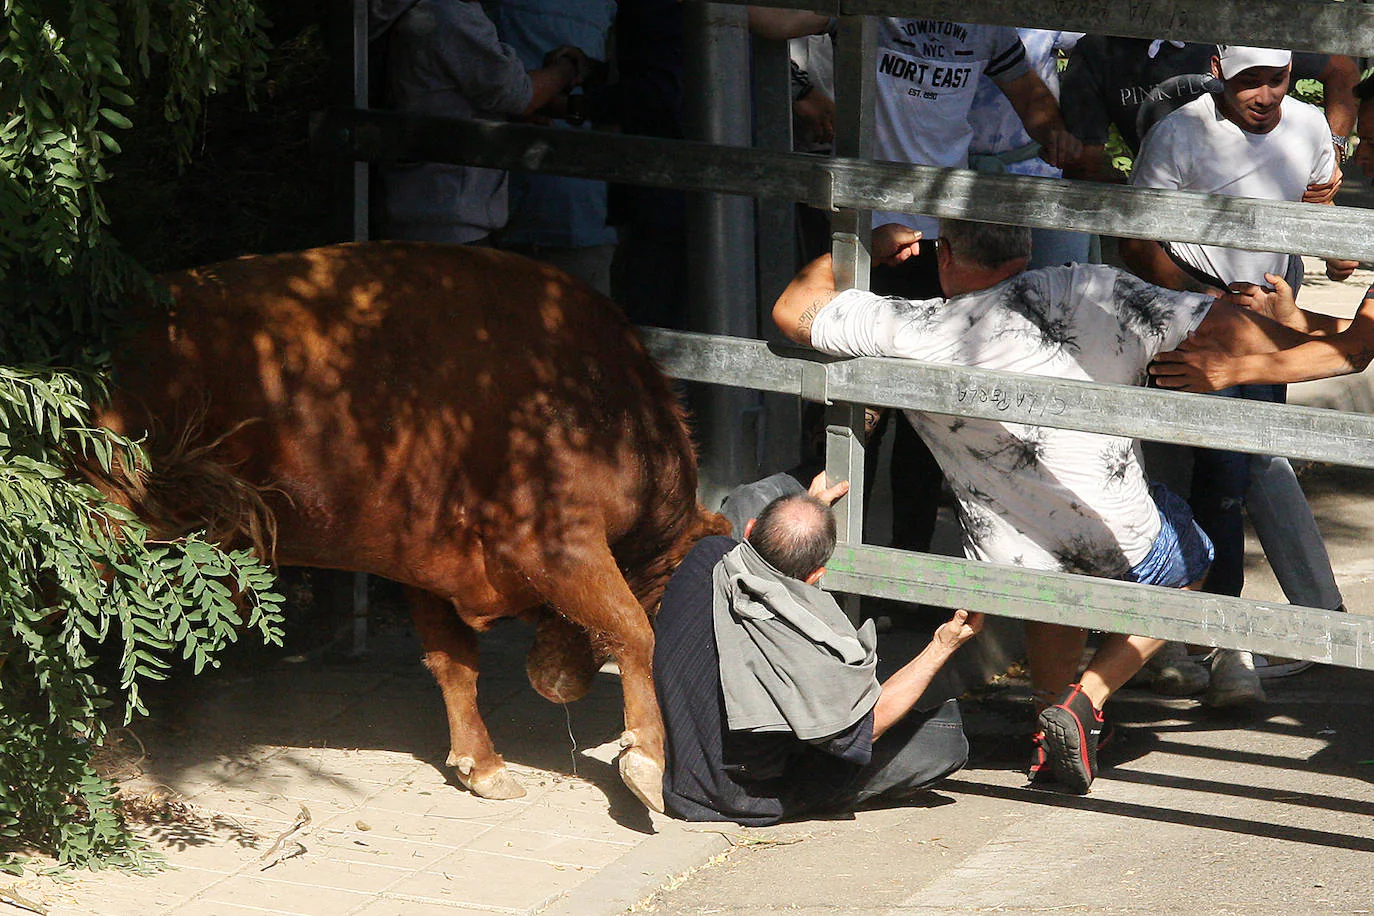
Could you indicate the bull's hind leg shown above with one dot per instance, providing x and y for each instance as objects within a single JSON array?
[
  {"x": 586, "y": 586},
  {"x": 451, "y": 656}
]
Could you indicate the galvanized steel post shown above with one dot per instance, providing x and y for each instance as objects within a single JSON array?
[
  {"x": 854, "y": 77},
  {"x": 776, "y": 246},
  {"x": 722, "y": 290}
]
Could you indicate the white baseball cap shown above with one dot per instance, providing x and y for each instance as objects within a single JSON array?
[{"x": 1236, "y": 58}]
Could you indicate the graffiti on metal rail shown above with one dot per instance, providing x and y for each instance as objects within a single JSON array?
[
  {"x": 1138, "y": 12},
  {"x": 1002, "y": 397}
]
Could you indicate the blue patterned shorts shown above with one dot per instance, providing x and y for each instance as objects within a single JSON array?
[{"x": 1182, "y": 553}]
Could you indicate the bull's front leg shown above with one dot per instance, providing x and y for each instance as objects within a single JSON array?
[{"x": 451, "y": 656}]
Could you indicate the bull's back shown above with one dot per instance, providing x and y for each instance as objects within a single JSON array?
[{"x": 397, "y": 390}]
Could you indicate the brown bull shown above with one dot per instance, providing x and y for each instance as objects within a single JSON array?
[{"x": 478, "y": 427}]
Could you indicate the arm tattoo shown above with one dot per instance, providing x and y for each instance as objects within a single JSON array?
[
  {"x": 1357, "y": 361},
  {"x": 808, "y": 317}
]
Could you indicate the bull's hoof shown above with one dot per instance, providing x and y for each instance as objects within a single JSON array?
[
  {"x": 641, "y": 773},
  {"x": 498, "y": 784}
]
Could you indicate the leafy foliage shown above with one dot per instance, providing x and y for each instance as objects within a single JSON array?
[{"x": 78, "y": 574}]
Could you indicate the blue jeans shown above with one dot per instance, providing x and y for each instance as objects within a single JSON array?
[{"x": 1181, "y": 552}]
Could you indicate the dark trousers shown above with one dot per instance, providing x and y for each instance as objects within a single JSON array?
[
  {"x": 1220, "y": 482},
  {"x": 916, "y": 476},
  {"x": 914, "y": 754}
]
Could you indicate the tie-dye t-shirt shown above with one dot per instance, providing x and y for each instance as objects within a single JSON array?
[{"x": 1033, "y": 496}]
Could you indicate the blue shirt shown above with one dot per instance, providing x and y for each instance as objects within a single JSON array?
[{"x": 548, "y": 209}]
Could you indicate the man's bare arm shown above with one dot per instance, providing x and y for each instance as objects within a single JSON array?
[
  {"x": 1150, "y": 262},
  {"x": 903, "y": 690},
  {"x": 780, "y": 25},
  {"x": 1039, "y": 113},
  {"x": 1277, "y": 302},
  {"x": 810, "y": 291},
  {"x": 1338, "y": 93},
  {"x": 1238, "y": 347}
]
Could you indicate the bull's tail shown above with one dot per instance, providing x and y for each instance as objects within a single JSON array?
[
  {"x": 672, "y": 521},
  {"x": 186, "y": 487},
  {"x": 648, "y": 580}
]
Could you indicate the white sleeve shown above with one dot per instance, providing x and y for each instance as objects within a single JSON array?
[
  {"x": 1156, "y": 166},
  {"x": 1325, "y": 166},
  {"x": 1162, "y": 318},
  {"x": 855, "y": 323},
  {"x": 1188, "y": 311}
]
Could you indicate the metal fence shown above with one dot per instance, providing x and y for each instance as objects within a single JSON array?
[{"x": 852, "y": 184}]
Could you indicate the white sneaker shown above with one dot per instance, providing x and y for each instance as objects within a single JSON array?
[
  {"x": 1174, "y": 674},
  {"x": 1271, "y": 666},
  {"x": 1234, "y": 681}
]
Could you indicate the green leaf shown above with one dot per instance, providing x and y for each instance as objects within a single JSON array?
[{"x": 115, "y": 118}]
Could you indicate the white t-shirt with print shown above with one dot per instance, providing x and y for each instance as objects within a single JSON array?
[
  {"x": 1033, "y": 496},
  {"x": 928, "y": 72},
  {"x": 1196, "y": 148}
]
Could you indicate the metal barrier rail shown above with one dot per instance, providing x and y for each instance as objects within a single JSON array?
[
  {"x": 1115, "y": 607},
  {"x": 1118, "y": 410},
  {"x": 856, "y": 184},
  {"x": 1303, "y": 25},
  {"x": 1119, "y": 607}
]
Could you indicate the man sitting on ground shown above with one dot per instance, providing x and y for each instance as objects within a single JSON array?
[
  {"x": 1032, "y": 496},
  {"x": 768, "y": 692}
]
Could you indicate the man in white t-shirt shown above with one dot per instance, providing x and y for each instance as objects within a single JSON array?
[
  {"x": 1033, "y": 496},
  {"x": 928, "y": 71},
  {"x": 1250, "y": 139},
  {"x": 928, "y": 74}
]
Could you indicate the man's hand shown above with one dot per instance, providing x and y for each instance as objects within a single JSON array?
[
  {"x": 1324, "y": 192},
  {"x": 1191, "y": 369},
  {"x": 827, "y": 494},
  {"x": 1275, "y": 301},
  {"x": 1339, "y": 269},
  {"x": 816, "y": 112},
  {"x": 894, "y": 243},
  {"x": 573, "y": 57},
  {"x": 1062, "y": 149},
  {"x": 958, "y": 630}
]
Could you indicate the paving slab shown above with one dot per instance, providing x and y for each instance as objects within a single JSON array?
[{"x": 244, "y": 752}]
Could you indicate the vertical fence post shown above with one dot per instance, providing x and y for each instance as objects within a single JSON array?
[
  {"x": 722, "y": 291},
  {"x": 850, "y": 249},
  {"x": 350, "y": 84},
  {"x": 780, "y": 440}
]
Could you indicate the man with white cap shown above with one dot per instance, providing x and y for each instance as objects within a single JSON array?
[{"x": 1248, "y": 140}]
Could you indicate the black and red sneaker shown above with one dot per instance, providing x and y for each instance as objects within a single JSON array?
[
  {"x": 1072, "y": 729},
  {"x": 1039, "y": 769}
]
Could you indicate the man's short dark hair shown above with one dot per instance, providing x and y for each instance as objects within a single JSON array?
[
  {"x": 986, "y": 245},
  {"x": 795, "y": 534}
]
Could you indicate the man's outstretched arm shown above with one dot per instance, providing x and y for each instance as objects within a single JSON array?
[
  {"x": 1235, "y": 346},
  {"x": 902, "y": 691},
  {"x": 812, "y": 289},
  {"x": 1150, "y": 262}
]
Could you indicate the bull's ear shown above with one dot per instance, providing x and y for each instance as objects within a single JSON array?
[{"x": 815, "y": 576}]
